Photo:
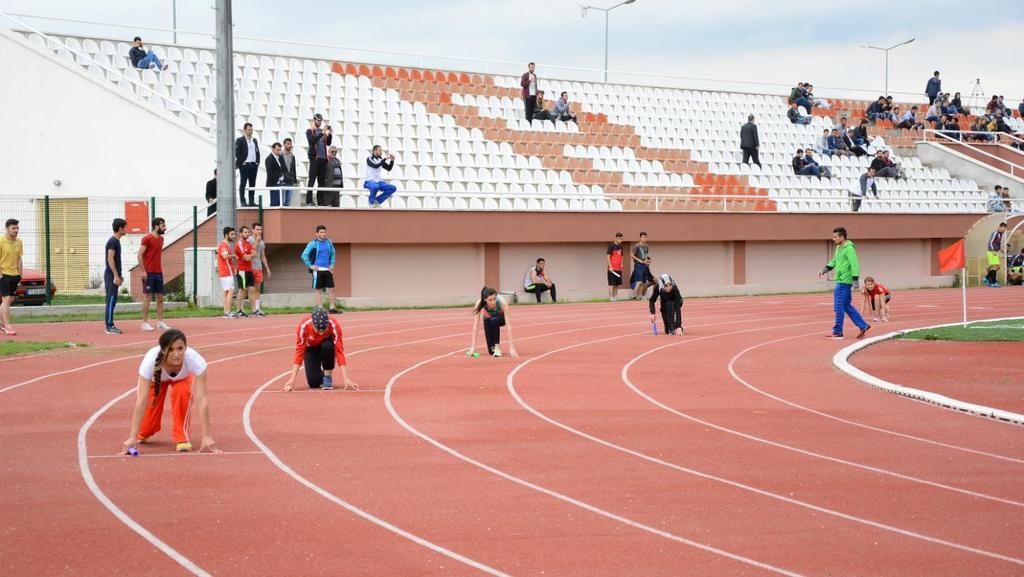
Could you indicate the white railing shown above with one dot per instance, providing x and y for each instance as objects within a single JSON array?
[
  {"x": 279, "y": 47},
  {"x": 170, "y": 104},
  {"x": 943, "y": 136},
  {"x": 350, "y": 198}
]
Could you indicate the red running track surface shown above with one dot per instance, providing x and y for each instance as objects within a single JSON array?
[{"x": 735, "y": 450}]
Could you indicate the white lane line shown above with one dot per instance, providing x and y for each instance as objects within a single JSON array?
[
  {"x": 176, "y": 454},
  {"x": 550, "y": 492},
  {"x": 764, "y": 493},
  {"x": 732, "y": 371}
]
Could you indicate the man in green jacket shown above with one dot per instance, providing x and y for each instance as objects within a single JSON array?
[{"x": 847, "y": 278}]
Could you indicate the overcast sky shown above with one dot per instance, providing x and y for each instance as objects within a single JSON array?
[{"x": 770, "y": 41}]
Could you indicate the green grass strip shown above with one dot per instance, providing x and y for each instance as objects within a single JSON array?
[
  {"x": 8, "y": 348},
  {"x": 988, "y": 331}
]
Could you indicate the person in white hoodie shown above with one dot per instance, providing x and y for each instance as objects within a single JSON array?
[{"x": 380, "y": 190}]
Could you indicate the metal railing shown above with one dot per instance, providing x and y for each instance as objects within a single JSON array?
[{"x": 944, "y": 136}]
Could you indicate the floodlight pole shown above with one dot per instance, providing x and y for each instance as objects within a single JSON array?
[
  {"x": 606, "y": 11},
  {"x": 886, "y": 50},
  {"x": 225, "y": 117}
]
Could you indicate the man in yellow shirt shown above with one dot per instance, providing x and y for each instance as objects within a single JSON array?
[{"x": 10, "y": 272}]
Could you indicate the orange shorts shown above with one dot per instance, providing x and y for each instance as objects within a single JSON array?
[{"x": 259, "y": 277}]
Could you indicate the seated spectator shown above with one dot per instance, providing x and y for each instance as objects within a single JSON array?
[
  {"x": 909, "y": 120},
  {"x": 1020, "y": 108},
  {"x": 1015, "y": 268},
  {"x": 817, "y": 102},
  {"x": 992, "y": 105},
  {"x": 1007, "y": 203},
  {"x": 876, "y": 109},
  {"x": 380, "y": 190},
  {"x": 538, "y": 282},
  {"x": 881, "y": 168},
  {"x": 935, "y": 113},
  {"x": 995, "y": 202},
  {"x": 978, "y": 130},
  {"x": 821, "y": 143},
  {"x": 542, "y": 112},
  {"x": 949, "y": 127},
  {"x": 795, "y": 117},
  {"x": 859, "y": 135},
  {"x": 143, "y": 59},
  {"x": 958, "y": 105},
  {"x": 846, "y": 143},
  {"x": 798, "y": 96},
  {"x": 838, "y": 145},
  {"x": 890, "y": 163},
  {"x": 860, "y": 190},
  {"x": 800, "y": 168},
  {"x": 888, "y": 111},
  {"x": 1001, "y": 107},
  {"x": 1001, "y": 125},
  {"x": 562, "y": 109},
  {"x": 825, "y": 172},
  {"x": 843, "y": 128}
]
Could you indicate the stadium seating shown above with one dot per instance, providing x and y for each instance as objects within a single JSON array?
[{"x": 459, "y": 134}]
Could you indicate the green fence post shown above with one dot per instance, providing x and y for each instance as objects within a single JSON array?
[
  {"x": 152, "y": 209},
  {"x": 195, "y": 256},
  {"x": 46, "y": 234},
  {"x": 259, "y": 219}
]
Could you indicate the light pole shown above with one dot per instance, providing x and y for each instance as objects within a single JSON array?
[
  {"x": 886, "y": 50},
  {"x": 606, "y": 11}
]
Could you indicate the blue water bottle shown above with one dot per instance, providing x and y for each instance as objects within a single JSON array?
[{"x": 654, "y": 328}]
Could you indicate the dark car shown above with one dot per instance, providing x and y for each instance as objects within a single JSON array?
[{"x": 32, "y": 289}]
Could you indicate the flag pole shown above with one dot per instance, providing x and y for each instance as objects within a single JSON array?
[{"x": 963, "y": 286}]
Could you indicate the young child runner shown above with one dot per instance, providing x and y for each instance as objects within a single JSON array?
[
  {"x": 171, "y": 365},
  {"x": 871, "y": 290},
  {"x": 494, "y": 311},
  {"x": 671, "y": 305},
  {"x": 319, "y": 347}
]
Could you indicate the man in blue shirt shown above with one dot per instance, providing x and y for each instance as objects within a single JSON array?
[
  {"x": 319, "y": 258},
  {"x": 112, "y": 279},
  {"x": 142, "y": 59}
]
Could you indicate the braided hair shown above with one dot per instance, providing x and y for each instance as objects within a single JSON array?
[{"x": 167, "y": 340}]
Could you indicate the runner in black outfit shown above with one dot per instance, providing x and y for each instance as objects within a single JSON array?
[{"x": 671, "y": 305}]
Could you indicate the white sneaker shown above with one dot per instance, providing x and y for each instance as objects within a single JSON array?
[
  {"x": 162, "y": 326},
  {"x": 147, "y": 327},
  {"x": 496, "y": 352}
]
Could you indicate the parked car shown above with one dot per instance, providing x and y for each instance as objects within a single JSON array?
[{"x": 32, "y": 289}]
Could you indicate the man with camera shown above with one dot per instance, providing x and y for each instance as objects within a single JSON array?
[
  {"x": 318, "y": 140},
  {"x": 380, "y": 190}
]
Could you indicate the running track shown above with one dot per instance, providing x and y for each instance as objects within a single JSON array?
[{"x": 735, "y": 450}]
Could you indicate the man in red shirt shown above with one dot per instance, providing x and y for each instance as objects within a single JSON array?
[
  {"x": 319, "y": 347},
  {"x": 614, "y": 266},
  {"x": 244, "y": 253},
  {"x": 227, "y": 263},
  {"x": 150, "y": 264}
]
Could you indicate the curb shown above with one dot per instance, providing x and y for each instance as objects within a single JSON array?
[{"x": 841, "y": 362}]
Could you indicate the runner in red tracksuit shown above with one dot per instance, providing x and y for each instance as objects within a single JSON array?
[{"x": 318, "y": 346}]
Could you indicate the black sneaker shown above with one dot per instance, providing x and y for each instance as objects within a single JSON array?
[
  {"x": 240, "y": 315},
  {"x": 114, "y": 331},
  {"x": 335, "y": 311},
  {"x": 259, "y": 313}
]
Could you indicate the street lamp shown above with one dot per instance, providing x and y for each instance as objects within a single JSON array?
[
  {"x": 886, "y": 50},
  {"x": 606, "y": 11}
]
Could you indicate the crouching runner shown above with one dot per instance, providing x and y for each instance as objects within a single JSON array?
[
  {"x": 318, "y": 347},
  {"x": 671, "y": 305}
]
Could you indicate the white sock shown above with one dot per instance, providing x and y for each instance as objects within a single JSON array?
[{"x": 258, "y": 304}]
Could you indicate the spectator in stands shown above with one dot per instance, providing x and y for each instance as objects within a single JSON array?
[
  {"x": 875, "y": 110},
  {"x": 274, "y": 167},
  {"x": 529, "y": 84},
  {"x": 934, "y": 114},
  {"x": 749, "y": 141},
  {"x": 839, "y": 145},
  {"x": 799, "y": 97},
  {"x": 319, "y": 257},
  {"x": 335, "y": 177},
  {"x": 1007, "y": 203},
  {"x": 878, "y": 164},
  {"x": 958, "y": 105},
  {"x": 802, "y": 168},
  {"x": 614, "y": 254},
  {"x": 809, "y": 160},
  {"x": 540, "y": 111},
  {"x": 995, "y": 202},
  {"x": 211, "y": 195},
  {"x": 950, "y": 127},
  {"x": 860, "y": 134},
  {"x": 860, "y": 190},
  {"x": 538, "y": 282},
  {"x": 893, "y": 114},
  {"x": 1020, "y": 108},
  {"x": 978, "y": 130},
  {"x": 247, "y": 161},
  {"x": 317, "y": 139},
  {"x": 563, "y": 110},
  {"x": 933, "y": 88},
  {"x": 795, "y": 116},
  {"x": 890, "y": 163},
  {"x": 909, "y": 120},
  {"x": 817, "y": 102},
  {"x": 290, "y": 178},
  {"x": 888, "y": 110},
  {"x": 142, "y": 59},
  {"x": 821, "y": 143},
  {"x": 380, "y": 190},
  {"x": 1001, "y": 107},
  {"x": 843, "y": 126},
  {"x": 1015, "y": 268},
  {"x": 992, "y": 105}
]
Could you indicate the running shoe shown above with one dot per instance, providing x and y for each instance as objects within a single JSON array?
[
  {"x": 877, "y": 320},
  {"x": 240, "y": 315},
  {"x": 183, "y": 447},
  {"x": 162, "y": 326},
  {"x": 227, "y": 316},
  {"x": 259, "y": 313},
  {"x": 496, "y": 352},
  {"x": 8, "y": 330},
  {"x": 834, "y": 337},
  {"x": 114, "y": 331},
  {"x": 147, "y": 327},
  {"x": 328, "y": 383},
  {"x": 860, "y": 335},
  {"x": 335, "y": 311},
  {"x": 994, "y": 285}
]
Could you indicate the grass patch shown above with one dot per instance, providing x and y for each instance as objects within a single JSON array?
[
  {"x": 1006, "y": 331},
  {"x": 8, "y": 348}
]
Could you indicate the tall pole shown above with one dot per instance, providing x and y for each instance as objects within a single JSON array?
[
  {"x": 886, "y": 51},
  {"x": 606, "y": 45},
  {"x": 174, "y": 20},
  {"x": 887, "y": 71},
  {"x": 225, "y": 117}
]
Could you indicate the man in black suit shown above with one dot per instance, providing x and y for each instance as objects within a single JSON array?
[
  {"x": 275, "y": 173},
  {"x": 749, "y": 142},
  {"x": 247, "y": 160},
  {"x": 211, "y": 195},
  {"x": 318, "y": 140}
]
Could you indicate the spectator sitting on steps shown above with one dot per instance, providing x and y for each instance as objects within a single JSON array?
[
  {"x": 142, "y": 59},
  {"x": 875, "y": 110},
  {"x": 805, "y": 165},
  {"x": 799, "y": 96},
  {"x": 563, "y": 110},
  {"x": 821, "y": 143},
  {"x": 825, "y": 172},
  {"x": 795, "y": 117},
  {"x": 859, "y": 135},
  {"x": 995, "y": 202},
  {"x": 542, "y": 112},
  {"x": 909, "y": 120},
  {"x": 838, "y": 144},
  {"x": 818, "y": 102}
]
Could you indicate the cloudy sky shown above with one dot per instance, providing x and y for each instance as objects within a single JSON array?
[{"x": 736, "y": 42}]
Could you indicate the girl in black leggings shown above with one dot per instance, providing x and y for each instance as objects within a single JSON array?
[
  {"x": 671, "y": 305},
  {"x": 494, "y": 312}
]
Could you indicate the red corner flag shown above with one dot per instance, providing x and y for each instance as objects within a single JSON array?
[{"x": 952, "y": 257}]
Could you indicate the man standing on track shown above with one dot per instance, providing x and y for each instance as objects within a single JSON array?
[
  {"x": 614, "y": 255},
  {"x": 11, "y": 252},
  {"x": 245, "y": 254},
  {"x": 847, "y": 278},
  {"x": 319, "y": 257},
  {"x": 260, "y": 266},
  {"x": 112, "y": 279},
  {"x": 994, "y": 247},
  {"x": 227, "y": 264},
  {"x": 150, "y": 263}
]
